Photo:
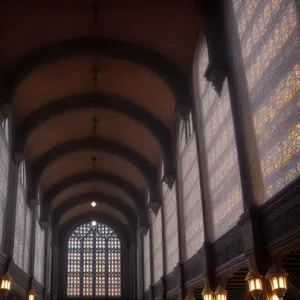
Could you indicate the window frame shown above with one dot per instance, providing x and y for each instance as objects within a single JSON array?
[{"x": 94, "y": 273}]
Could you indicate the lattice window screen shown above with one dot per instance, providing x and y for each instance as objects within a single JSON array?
[
  {"x": 4, "y": 171},
  {"x": 27, "y": 242},
  {"x": 23, "y": 225},
  {"x": 171, "y": 228},
  {"x": 39, "y": 258},
  {"x": 223, "y": 171},
  {"x": 147, "y": 269},
  {"x": 157, "y": 245},
  {"x": 269, "y": 33},
  {"x": 192, "y": 208},
  {"x": 49, "y": 257},
  {"x": 94, "y": 262}
]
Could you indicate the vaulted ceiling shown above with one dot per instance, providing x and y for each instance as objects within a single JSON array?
[{"x": 94, "y": 87}]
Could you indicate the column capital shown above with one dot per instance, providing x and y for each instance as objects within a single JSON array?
[
  {"x": 182, "y": 110},
  {"x": 6, "y": 109},
  {"x": 212, "y": 15},
  {"x": 19, "y": 157},
  {"x": 169, "y": 180},
  {"x": 142, "y": 229},
  {"x": 154, "y": 207}
]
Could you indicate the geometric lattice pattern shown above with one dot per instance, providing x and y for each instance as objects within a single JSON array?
[
  {"x": 39, "y": 261},
  {"x": 147, "y": 269},
  {"x": 23, "y": 224},
  {"x": 222, "y": 164},
  {"x": 94, "y": 262},
  {"x": 157, "y": 245},
  {"x": 4, "y": 165},
  {"x": 192, "y": 207},
  {"x": 270, "y": 42},
  {"x": 171, "y": 226}
]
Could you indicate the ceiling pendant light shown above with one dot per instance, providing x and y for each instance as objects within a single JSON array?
[
  {"x": 277, "y": 277},
  {"x": 94, "y": 203},
  {"x": 95, "y": 8}
]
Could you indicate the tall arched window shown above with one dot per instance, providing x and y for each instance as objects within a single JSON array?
[
  {"x": 94, "y": 261},
  {"x": 4, "y": 171}
]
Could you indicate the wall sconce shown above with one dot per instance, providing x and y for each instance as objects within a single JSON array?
[
  {"x": 31, "y": 295},
  {"x": 277, "y": 277},
  {"x": 254, "y": 280},
  {"x": 220, "y": 293},
  {"x": 6, "y": 281},
  {"x": 207, "y": 293}
]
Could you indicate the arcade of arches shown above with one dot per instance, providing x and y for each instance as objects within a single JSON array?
[{"x": 150, "y": 149}]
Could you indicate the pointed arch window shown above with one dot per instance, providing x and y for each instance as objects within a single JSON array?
[{"x": 94, "y": 261}]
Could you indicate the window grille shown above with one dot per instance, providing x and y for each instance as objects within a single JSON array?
[
  {"x": 270, "y": 41},
  {"x": 4, "y": 168},
  {"x": 94, "y": 262}
]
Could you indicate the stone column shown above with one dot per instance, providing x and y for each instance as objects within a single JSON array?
[{"x": 248, "y": 158}]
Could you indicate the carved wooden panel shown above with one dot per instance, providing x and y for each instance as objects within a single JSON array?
[
  {"x": 229, "y": 246},
  {"x": 39, "y": 289},
  {"x": 20, "y": 280},
  {"x": 171, "y": 282},
  {"x": 282, "y": 219},
  {"x": 192, "y": 208},
  {"x": 158, "y": 290},
  {"x": 4, "y": 172},
  {"x": 195, "y": 267},
  {"x": 270, "y": 42},
  {"x": 222, "y": 163},
  {"x": 171, "y": 228},
  {"x": 157, "y": 245}
]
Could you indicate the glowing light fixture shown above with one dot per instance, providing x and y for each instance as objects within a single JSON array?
[
  {"x": 207, "y": 293},
  {"x": 93, "y": 204},
  {"x": 220, "y": 293},
  {"x": 278, "y": 280},
  {"x": 94, "y": 223},
  {"x": 6, "y": 282},
  {"x": 31, "y": 295},
  {"x": 255, "y": 283}
]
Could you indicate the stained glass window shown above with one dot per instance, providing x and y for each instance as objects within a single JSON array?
[
  {"x": 225, "y": 199},
  {"x": 39, "y": 261},
  {"x": 4, "y": 166},
  {"x": 157, "y": 245},
  {"x": 23, "y": 224},
  {"x": 147, "y": 270},
  {"x": 192, "y": 208},
  {"x": 270, "y": 42},
  {"x": 94, "y": 262},
  {"x": 171, "y": 227}
]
